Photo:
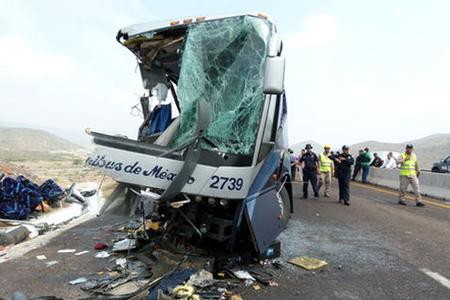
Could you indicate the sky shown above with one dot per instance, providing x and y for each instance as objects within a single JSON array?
[{"x": 356, "y": 69}]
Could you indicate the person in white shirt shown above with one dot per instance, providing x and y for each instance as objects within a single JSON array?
[{"x": 390, "y": 162}]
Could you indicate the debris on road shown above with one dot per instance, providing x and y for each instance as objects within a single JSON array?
[
  {"x": 41, "y": 257},
  {"x": 78, "y": 281},
  {"x": 51, "y": 263},
  {"x": 100, "y": 246},
  {"x": 308, "y": 263},
  {"x": 67, "y": 250},
  {"x": 243, "y": 275},
  {"x": 121, "y": 262},
  {"x": 14, "y": 236},
  {"x": 103, "y": 254},
  {"x": 124, "y": 245},
  {"x": 201, "y": 279}
]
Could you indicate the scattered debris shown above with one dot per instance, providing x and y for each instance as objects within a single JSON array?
[
  {"x": 14, "y": 236},
  {"x": 273, "y": 283},
  {"x": 243, "y": 275},
  {"x": 41, "y": 257},
  {"x": 201, "y": 279},
  {"x": 256, "y": 287},
  {"x": 170, "y": 282},
  {"x": 124, "y": 245},
  {"x": 67, "y": 250},
  {"x": 100, "y": 246},
  {"x": 103, "y": 254},
  {"x": 51, "y": 263},
  {"x": 78, "y": 281},
  {"x": 308, "y": 263},
  {"x": 184, "y": 291},
  {"x": 121, "y": 262}
]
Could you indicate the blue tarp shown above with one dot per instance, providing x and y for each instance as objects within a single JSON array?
[{"x": 20, "y": 196}]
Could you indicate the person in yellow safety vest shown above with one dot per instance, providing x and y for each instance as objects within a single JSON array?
[
  {"x": 409, "y": 174},
  {"x": 326, "y": 170}
]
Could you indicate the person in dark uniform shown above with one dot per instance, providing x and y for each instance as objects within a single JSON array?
[
  {"x": 357, "y": 164},
  {"x": 344, "y": 162},
  {"x": 311, "y": 168}
]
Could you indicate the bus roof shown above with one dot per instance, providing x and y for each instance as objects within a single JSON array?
[{"x": 137, "y": 29}]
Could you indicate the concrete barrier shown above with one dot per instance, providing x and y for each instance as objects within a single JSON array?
[{"x": 435, "y": 185}]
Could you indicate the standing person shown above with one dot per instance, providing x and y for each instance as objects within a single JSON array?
[
  {"x": 365, "y": 164},
  {"x": 344, "y": 162},
  {"x": 357, "y": 167},
  {"x": 326, "y": 170},
  {"x": 311, "y": 169},
  {"x": 409, "y": 175},
  {"x": 294, "y": 159}
]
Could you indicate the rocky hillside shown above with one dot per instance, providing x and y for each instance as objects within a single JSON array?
[
  {"x": 429, "y": 149},
  {"x": 19, "y": 144}
]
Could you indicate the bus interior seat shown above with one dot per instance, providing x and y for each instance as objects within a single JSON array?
[{"x": 166, "y": 137}]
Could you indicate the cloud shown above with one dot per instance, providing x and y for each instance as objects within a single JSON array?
[
  {"x": 320, "y": 30},
  {"x": 20, "y": 61}
]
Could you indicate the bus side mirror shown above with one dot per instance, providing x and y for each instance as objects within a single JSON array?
[{"x": 274, "y": 75}]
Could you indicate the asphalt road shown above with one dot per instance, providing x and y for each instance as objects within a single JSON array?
[{"x": 375, "y": 249}]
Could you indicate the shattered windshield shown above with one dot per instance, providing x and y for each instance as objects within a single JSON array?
[{"x": 223, "y": 63}]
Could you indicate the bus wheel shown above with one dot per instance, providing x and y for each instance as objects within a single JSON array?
[{"x": 286, "y": 206}]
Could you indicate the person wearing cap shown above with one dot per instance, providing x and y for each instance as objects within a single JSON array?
[
  {"x": 311, "y": 168},
  {"x": 344, "y": 162},
  {"x": 326, "y": 169},
  {"x": 366, "y": 158},
  {"x": 357, "y": 167},
  {"x": 409, "y": 175}
]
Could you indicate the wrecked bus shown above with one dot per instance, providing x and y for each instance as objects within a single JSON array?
[{"x": 217, "y": 175}]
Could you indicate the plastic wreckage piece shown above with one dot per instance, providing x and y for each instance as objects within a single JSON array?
[
  {"x": 78, "y": 281},
  {"x": 227, "y": 75},
  {"x": 100, "y": 246},
  {"x": 124, "y": 245},
  {"x": 201, "y": 279},
  {"x": 103, "y": 254},
  {"x": 308, "y": 263},
  {"x": 67, "y": 250},
  {"x": 243, "y": 275}
]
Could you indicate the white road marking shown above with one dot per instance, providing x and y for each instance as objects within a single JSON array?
[{"x": 438, "y": 277}]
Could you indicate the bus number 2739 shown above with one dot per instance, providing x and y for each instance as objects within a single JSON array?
[{"x": 230, "y": 183}]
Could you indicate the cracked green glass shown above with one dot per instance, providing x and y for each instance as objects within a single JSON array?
[{"x": 223, "y": 63}]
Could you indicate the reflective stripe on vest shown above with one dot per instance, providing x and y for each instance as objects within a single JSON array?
[
  {"x": 325, "y": 163},
  {"x": 408, "y": 167}
]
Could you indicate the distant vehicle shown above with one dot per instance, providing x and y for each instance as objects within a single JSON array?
[{"x": 442, "y": 166}]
